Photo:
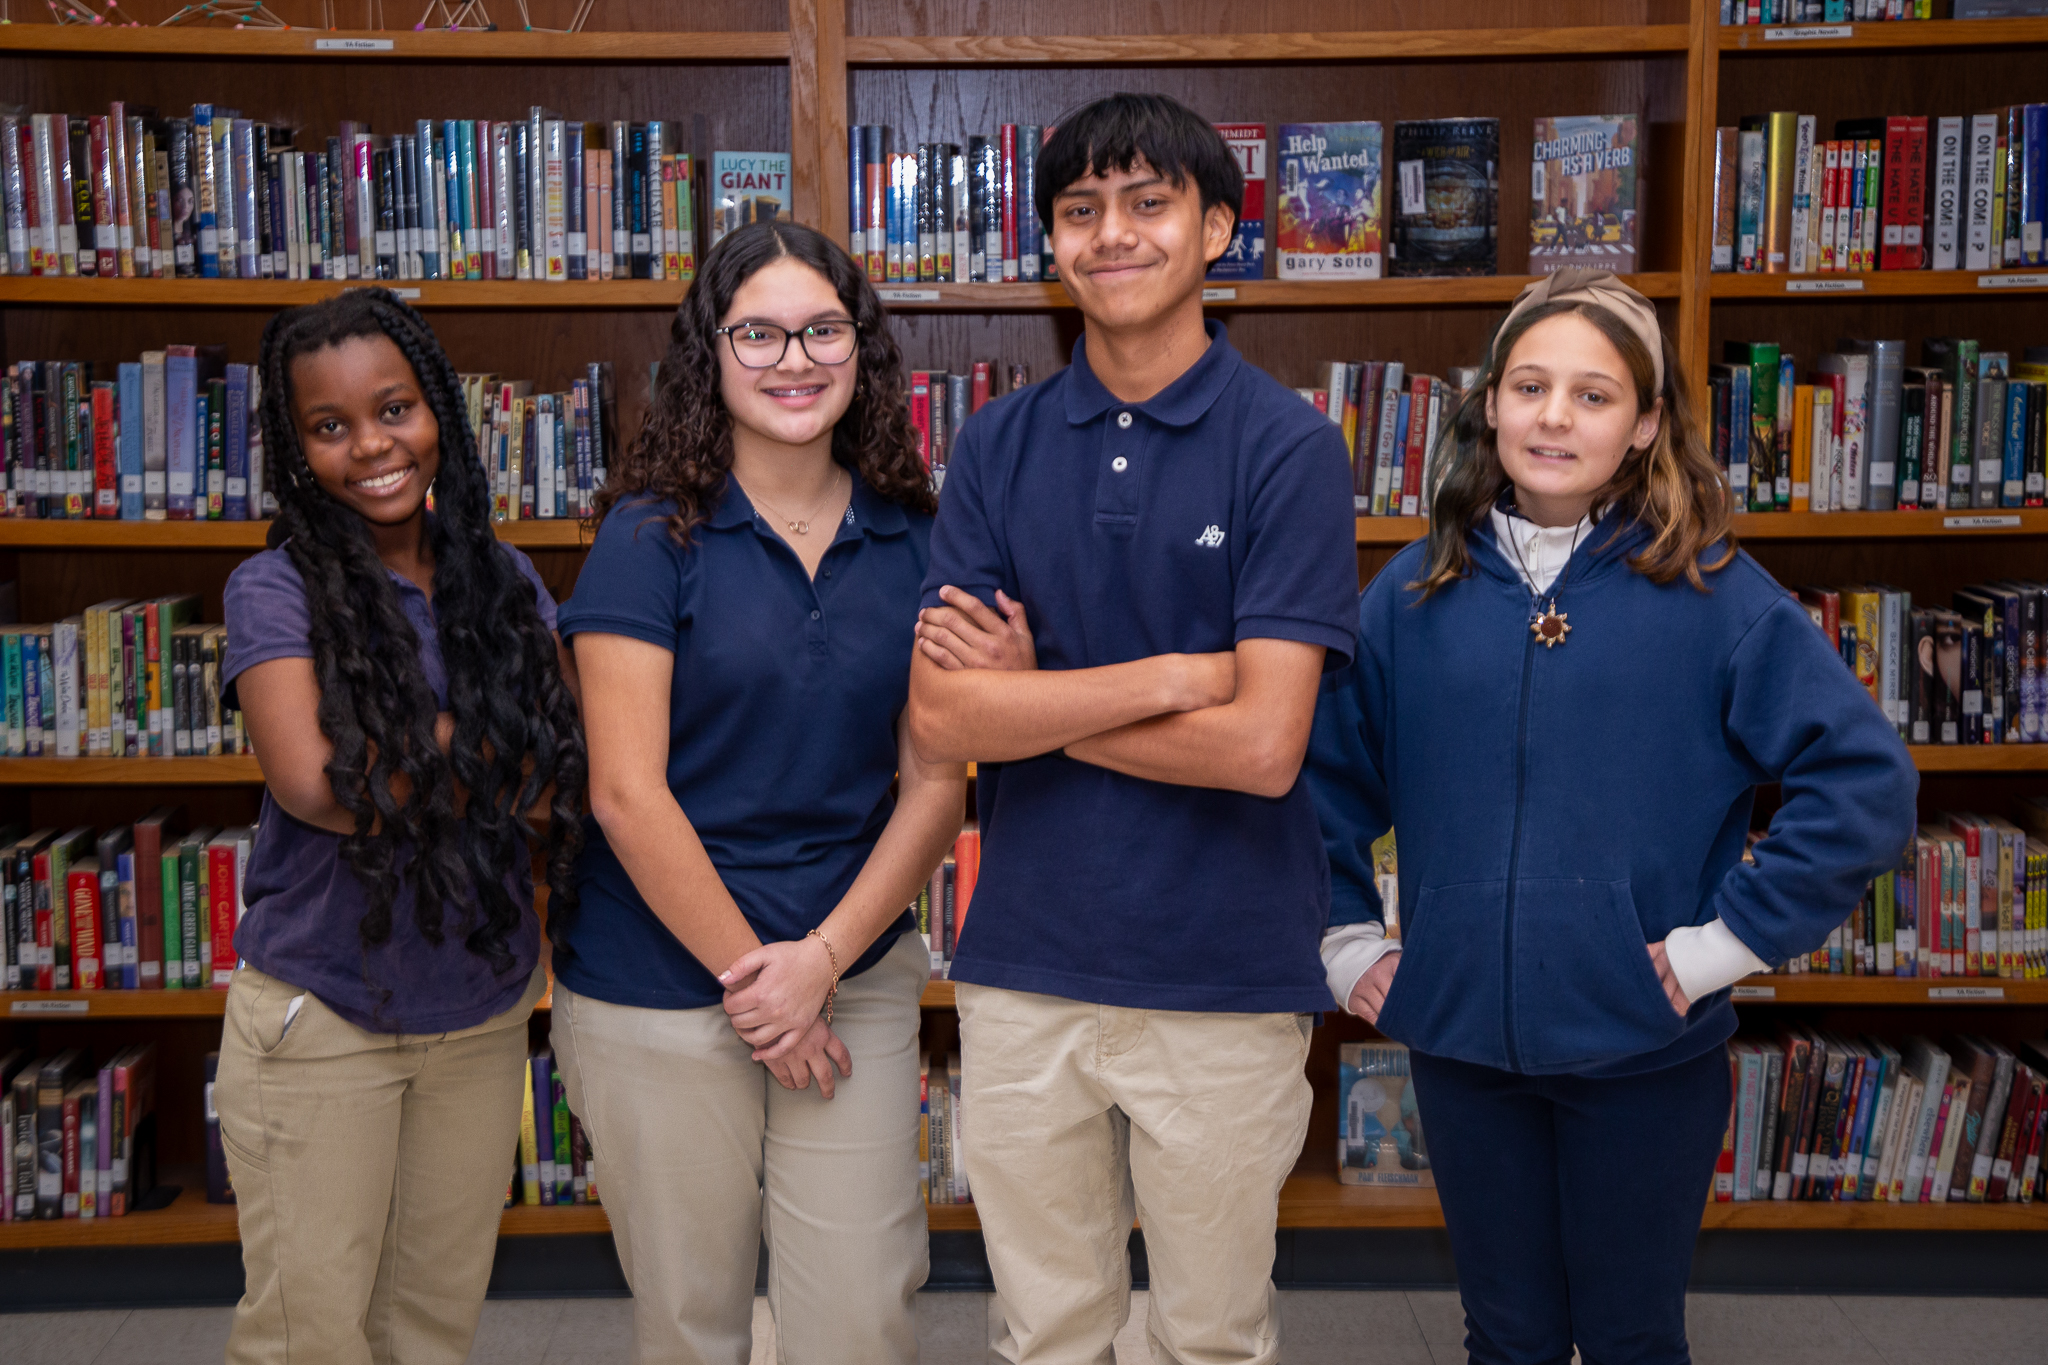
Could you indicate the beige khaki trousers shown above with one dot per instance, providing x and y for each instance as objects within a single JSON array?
[
  {"x": 369, "y": 1173},
  {"x": 701, "y": 1153},
  {"x": 1079, "y": 1117}
]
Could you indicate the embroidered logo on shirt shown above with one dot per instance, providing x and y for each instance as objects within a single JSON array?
[
  {"x": 1210, "y": 538},
  {"x": 849, "y": 515}
]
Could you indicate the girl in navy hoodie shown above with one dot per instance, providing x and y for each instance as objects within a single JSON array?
[{"x": 1565, "y": 699}]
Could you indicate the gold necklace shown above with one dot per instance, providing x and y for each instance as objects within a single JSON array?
[{"x": 798, "y": 525}]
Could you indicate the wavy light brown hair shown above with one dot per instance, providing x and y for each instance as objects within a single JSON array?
[
  {"x": 1673, "y": 487},
  {"x": 684, "y": 450}
]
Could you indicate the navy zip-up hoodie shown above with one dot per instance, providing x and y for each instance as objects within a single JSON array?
[{"x": 1561, "y": 809}]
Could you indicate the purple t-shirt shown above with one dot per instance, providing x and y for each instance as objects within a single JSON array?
[{"x": 303, "y": 903}]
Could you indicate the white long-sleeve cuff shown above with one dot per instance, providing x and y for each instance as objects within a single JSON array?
[
  {"x": 1349, "y": 950},
  {"x": 1703, "y": 957}
]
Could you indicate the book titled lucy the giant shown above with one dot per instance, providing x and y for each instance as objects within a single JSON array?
[
  {"x": 747, "y": 187},
  {"x": 1582, "y": 193},
  {"x": 1330, "y": 201},
  {"x": 1445, "y": 197}
]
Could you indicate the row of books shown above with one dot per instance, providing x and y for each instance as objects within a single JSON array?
[
  {"x": 947, "y": 211},
  {"x": 1871, "y": 11},
  {"x": 554, "y": 1164},
  {"x": 1340, "y": 220},
  {"x": 1820, "y": 1116},
  {"x": 545, "y": 452},
  {"x": 1903, "y": 192},
  {"x": 941, "y": 907},
  {"x": 1971, "y": 673},
  {"x": 941, "y": 401},
  {"x": 1969, "y": 898},
  {"x": 215, "y": 195},
  {"x": 1391, "y": 422},
  {"x": 173, "y": 436},
  {"x": 122, "y": 679},
  {"x": 1965, "y": 428},
  {"x": 77, "y": 1141},
  {"x": 940, "y": 1165},
  {"x": 148, "y": 906}
]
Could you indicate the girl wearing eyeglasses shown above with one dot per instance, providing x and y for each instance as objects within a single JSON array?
[{"x": 736, "y": 1000}]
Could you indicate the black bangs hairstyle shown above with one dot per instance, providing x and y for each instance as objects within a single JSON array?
[
  {"x": 516, "y": 730},
  {"x": 684, "y": 450},
  {"x": 1116, "y": 132}
]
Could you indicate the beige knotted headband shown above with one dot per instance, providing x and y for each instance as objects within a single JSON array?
[{"x": 1577, "y": 285}]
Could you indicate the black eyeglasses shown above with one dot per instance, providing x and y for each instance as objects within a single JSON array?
[{"x": 762, "y": 345}]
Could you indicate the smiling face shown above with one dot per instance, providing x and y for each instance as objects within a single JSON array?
[
  {"x": 1565, "y": 416},
  {"x": 368, "y": 432},
  {"x": 1132, "y": 245},
  {"x": 797, "y": 400}
]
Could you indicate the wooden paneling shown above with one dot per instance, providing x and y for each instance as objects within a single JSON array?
[
  {"x": 939, "y": 17},
  {"x": 924, "y": 105},
  {"x": 1866, "y": 84},
  {"x": 1324, "y": 45}
]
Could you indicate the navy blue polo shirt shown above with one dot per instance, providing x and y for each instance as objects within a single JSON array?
[
  {"x": 1217, "y": 511},
  {"x": 782, "y": 716}
]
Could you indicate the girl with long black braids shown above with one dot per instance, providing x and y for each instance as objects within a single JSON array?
[
  {"x": 413, "y": 710},
  {"x": 743, "y": 627}
]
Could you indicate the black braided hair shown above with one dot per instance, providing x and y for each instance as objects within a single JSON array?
[{"x": 516, "y": 729}]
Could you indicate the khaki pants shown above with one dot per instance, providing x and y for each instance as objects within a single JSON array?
[
  {"x": 1086, "y": 1114},
  {"x": 689, "y": 1132},
  {"x": 369, "y": 1170}
]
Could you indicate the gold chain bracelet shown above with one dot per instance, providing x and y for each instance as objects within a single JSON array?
[{"x": 831, "y": 994}]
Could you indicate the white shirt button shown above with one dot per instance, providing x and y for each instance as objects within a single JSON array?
[
  {"x": 1123, "y": 419},
  {"x": 1119, "y": 464}
]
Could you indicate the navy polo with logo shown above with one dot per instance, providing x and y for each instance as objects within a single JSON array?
[
  {"x": 1217, "y": 511},
  {"x": 782, "y": 722}
]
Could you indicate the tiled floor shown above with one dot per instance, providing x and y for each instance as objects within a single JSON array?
[{"x": 1322, "y": 1328}]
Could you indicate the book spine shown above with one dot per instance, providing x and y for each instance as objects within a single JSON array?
[
  {"x": 1981, "y": 152},
  {"x": 1009, "y": 202},
  {"x": 1803, "y": 207}
]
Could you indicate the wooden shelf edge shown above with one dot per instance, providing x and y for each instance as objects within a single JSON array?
[
  {"x": 404, "y": 45},
  {"x": 1769, "y": 526},
  {"x": 1224, "y": 295},
  {"x": 1166, "y": 49},
  {"x": 1980, "y": 758},
  {"x": 36, "y": 533},
  {"x": 221, "y": 770},
  {"x": 1838, "y": 287},
  {"x": 1821, "y": 988},
  {"x": 530, "y": 295},
  {"x": 1754, "y": 39}
]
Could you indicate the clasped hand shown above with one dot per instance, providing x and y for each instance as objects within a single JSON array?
[{"x": 774, "y": 998}]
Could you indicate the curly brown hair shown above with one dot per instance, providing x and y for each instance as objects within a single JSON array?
[{"x": 684, "y": 451}]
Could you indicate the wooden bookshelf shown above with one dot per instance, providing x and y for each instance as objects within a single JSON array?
[
  {"x": 1387, "y": 45},
  {"x": 220, "y": 770},
  {"x": 212, "y": 1004},
  {"x": 1920, "y": 35},
  {"x": 36, "y": 533},
  {"x": 1879, "y": 284},
  {"x": 521, "y": 295},
  {"x": 1826, "y": 989},
  {"x": 346, "y": 47}
]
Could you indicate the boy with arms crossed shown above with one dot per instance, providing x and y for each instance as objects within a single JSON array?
[{"x": 1135, "y": 997}]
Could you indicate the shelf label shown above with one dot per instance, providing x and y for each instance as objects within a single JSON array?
[
  {"x": 1755, "y": 993},
  {"x": 2033, "y": 281},
  {"x": 352, "y": 44},
  {"x": 1808, "y": 33},
  {"x": 407, "y": 293},
  {"x": 1219, "y": 295},
  {"x": 908, "y": 295},
  {"x": 1979, "y": 523},
  {"x": 48, "y": 1006},
  {"x": 1823, "y": 286},
  {"x": 1966, "y": 992}
]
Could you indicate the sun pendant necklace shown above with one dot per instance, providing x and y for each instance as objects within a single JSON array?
[{"x": 1546, "y": 623}]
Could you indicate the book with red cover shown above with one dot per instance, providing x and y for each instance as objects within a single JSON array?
[
  {"x": 72, "y": 1097},
  {"x": 46, "y": 925},
  {"x": 82, "y": 902},
  {"x": 1792, "y": 1107},
  {"x": 1913, "y": 245},
  {"x": 921, "y": 414},
  {"x": 1010, "y": 206},
  {"x": 967, "y": 871},
  {"x": 978, "y": 392},
  {"x": 106, "y": 242},
  {"x": 162, "y": 825},
  {"x": 220, "y": 903},
  {"x": 1895, "y": 212},
  {"x": 106, "y": 431},
  {"x": 2008, "y": 1137}
]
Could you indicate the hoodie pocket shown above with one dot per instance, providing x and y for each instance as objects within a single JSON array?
[
  {"x": 1446, "y": 996},
  {"x": 1585, "y": 991}
]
